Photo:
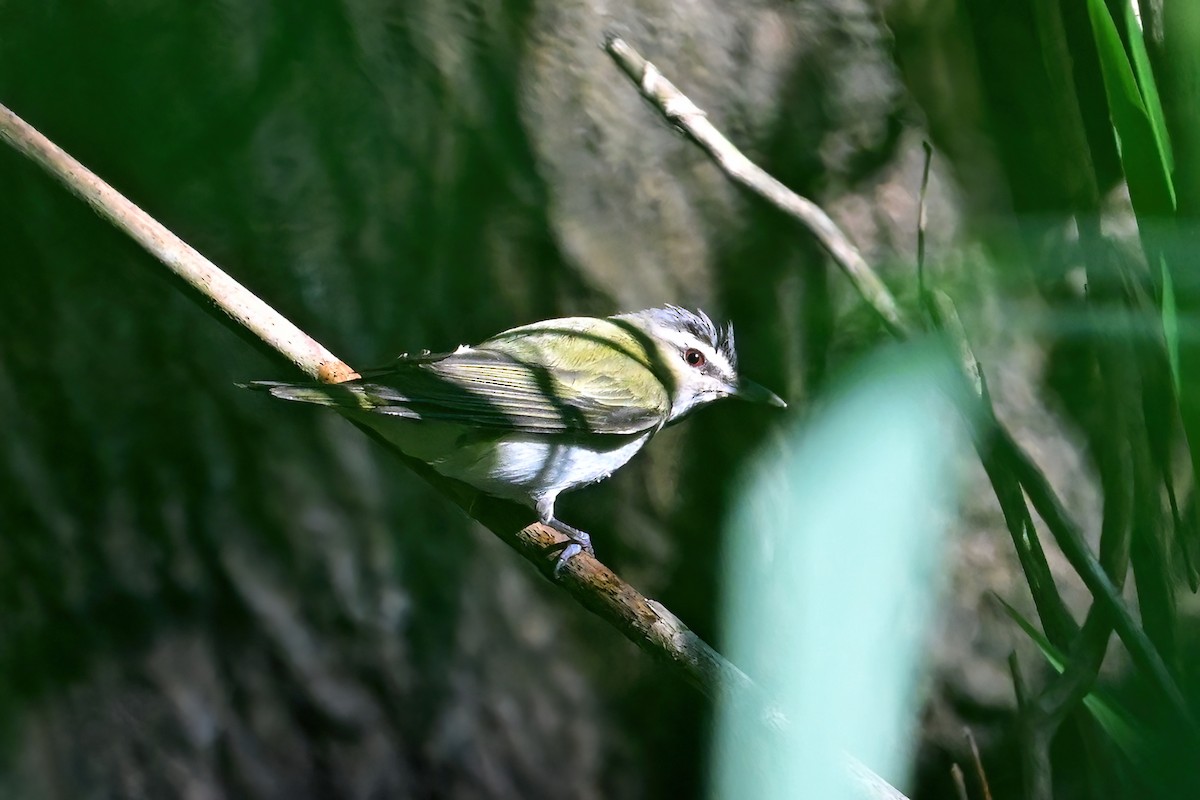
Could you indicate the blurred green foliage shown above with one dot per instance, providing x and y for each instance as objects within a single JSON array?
[{"x": 834, "y": 576}]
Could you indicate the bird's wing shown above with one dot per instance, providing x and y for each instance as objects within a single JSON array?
[{"x": 494, "y": 388}]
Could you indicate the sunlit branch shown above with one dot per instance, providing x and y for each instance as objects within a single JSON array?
[{"x": 680, "y": 111}]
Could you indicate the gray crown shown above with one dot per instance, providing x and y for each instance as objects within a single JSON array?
[{"x": 699, "y": 325}]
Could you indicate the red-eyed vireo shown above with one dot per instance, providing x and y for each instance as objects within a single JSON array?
[{"x": 537, "y": 410}]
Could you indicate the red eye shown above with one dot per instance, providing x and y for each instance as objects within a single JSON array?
[{"x": 694, "y": 357}]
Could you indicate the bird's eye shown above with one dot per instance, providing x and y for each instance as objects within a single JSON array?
[{"x": 694, "y": 357}]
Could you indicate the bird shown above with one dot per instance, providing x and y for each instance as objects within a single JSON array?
[{"x": 544, "y": 408}]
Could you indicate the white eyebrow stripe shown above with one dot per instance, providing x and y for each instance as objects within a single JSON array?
[
  {"x": 719, "y": 358},
  {"x": 683, "y": 340}
]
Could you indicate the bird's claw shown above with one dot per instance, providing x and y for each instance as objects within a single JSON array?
[
  {"x": 581, "y": 538},
  {"x": 577, "y": 542},
  {"x": 569, "y": 551}
]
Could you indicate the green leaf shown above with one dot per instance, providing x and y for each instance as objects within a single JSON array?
[
  {"x": 1144, "y": 146},
  {"x": 1148, "y": 87},
  {"x": 1142, "y": 155}
]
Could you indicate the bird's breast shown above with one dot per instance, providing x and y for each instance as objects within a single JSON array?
[
  {"x": 524, "y": 467},
  {"x": 516, "y": 466}
]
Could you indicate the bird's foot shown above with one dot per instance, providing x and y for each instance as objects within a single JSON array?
[{"x": 577, "y": 542}]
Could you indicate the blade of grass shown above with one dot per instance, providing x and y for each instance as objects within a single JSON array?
[
  {"x": 1141, "y": 133},
  {"x": 1180, "y": 80},
  {"x": 1148, "y": 86},
  {"x": 1142, "y": 155}
]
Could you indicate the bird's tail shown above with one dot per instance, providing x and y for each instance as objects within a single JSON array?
[{"x": 339, "y": 395}]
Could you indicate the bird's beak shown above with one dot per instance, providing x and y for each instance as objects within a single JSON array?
[{"x": 750, "y": 391}]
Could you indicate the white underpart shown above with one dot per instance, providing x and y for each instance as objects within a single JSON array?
[
  {"x": 527, "y": 468},
  {"x": 536, "y": 469}
]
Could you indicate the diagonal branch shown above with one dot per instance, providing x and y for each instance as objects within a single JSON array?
[{"x": 683, "y": 113}]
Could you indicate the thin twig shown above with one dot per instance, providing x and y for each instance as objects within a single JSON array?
[
  {"x": 679, "y": 110},
  {"x": 983, "y": 781},
  {"x": 960, "y": 783}
]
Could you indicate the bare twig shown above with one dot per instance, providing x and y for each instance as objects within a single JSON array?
[
  {"x": 682, "y": 112},
  {"x": 960, "y": 783},
  {"x": 983, "y": 781}
]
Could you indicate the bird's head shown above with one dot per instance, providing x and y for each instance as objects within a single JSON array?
[{"x": 695, "y": 359}]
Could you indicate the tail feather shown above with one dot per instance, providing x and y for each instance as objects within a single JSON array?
[{"x": 339, "y": 395}]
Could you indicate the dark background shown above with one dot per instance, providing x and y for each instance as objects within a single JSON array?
[{"x": 207, "y": 594}]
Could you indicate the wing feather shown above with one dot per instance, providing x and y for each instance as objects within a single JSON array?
[{"x": 490, "y": 387}]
